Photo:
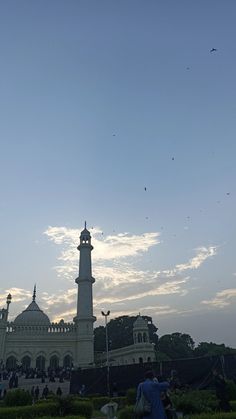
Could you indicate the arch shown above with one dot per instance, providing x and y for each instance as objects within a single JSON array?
[
  {"x": 67, "y": 361},
  {"x": 40, "y": 362},
  {"x": 148, "y": 359},
  {"x": 54, "y": 362},
  {"x": 141, "y": 360},
  {"x": 140, "y": 339},
  {"x": 26, "y": 362},
  {"x": 144, "y": 337},
  {"x": 11, "y": 362}
]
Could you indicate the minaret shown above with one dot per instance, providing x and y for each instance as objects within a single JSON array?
[
  {"x": 84, "y": 319},
  {"x": 3, "y": 327}
]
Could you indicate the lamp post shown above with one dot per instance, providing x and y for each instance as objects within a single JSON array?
[{"x": 107, "y": 351}]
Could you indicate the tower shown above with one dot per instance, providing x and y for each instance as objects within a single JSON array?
[
  {"x": 84, "y": 319},
  {"x": 140, "y": 330},
  {"x": 3, "y": 327}
]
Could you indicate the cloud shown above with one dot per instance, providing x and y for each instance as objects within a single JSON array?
[
  {"x": 118, "y": 280},
  {"x": 18, "y": 295},
  {"x": 106, "y": 248},
  {"x": 203, "y": 253},
  {"x": 222, "y": 299}
]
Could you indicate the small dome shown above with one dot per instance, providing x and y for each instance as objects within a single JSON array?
[
  {"x": 140, "y": 323},
  {"x": 31, "y": 316}
]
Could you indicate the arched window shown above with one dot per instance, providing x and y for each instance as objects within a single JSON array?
[
  {"x": 140, "y": 337},
  {"x": 149, "y": 359},
  {"x": 40, "y": 363},
  {"x": 11, "y": 362},
  {"x": 26, "y": 361},
  {"x": 54, "y": 362},
  {"x": 145, "y": 337},
  {"x": 141, "y": 360}
]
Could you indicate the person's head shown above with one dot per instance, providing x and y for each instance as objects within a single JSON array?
[{"x": 149, "y": 375}]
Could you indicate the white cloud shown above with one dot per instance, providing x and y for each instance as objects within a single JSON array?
[
  {"x": 203, "y": 253},
  {"x": 222, "y": 299},
  {"x": 118, "y": 280},
  {"x": 18, "y": 295}
]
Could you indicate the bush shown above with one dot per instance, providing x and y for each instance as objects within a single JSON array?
[
  {"x": 198, "y": 401},
  {"x": 231, "y": 415},
  {"x": 59, "y": 417},
  {"x": 231, "y": 389},
  {"x": 17, "y": 397},
  {"x": 98, "y": 402},
  {"x": 120, "y": 400},
  {"x": 131, "y": 395},
  {"x": 82, "y": 409},
  {"x": 64, "y": 405},
  {"x": 126, "y": 413},
  {"x": 233, "y": 405},
  {"x": 29, "y": 412}
]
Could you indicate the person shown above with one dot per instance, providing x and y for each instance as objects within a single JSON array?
[
  {"x": 59, "y": 392},
  {"x": 45, "y": 392},
  {"x": 36, "y": 393},
  {"x": 221, "y": 391},
  {"x": 152, "y": 392},
  {"x": 168, "y": 406},
  {"x": 82, "y": 390},
  {"x": 1, "y": 388},
  {"x": 114, "y": 390},
  {"x": 32, "y": 392}
]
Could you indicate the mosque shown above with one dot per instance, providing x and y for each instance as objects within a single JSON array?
[{"x": 32, "y": 341}]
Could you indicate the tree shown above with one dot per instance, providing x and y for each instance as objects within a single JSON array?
[
  {"x": 120, "y": 333},
  {"x": 210, "y": 349},
  {"x": 176, "y": 345}
]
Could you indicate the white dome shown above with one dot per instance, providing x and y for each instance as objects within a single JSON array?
[
  {"x": 140, "y": 323},
  {"x": 32, "y": 315}
]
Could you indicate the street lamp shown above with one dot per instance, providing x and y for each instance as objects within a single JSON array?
[{"x": 107, "y": 351}]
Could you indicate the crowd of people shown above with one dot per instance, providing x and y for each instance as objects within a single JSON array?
[{"x": 9, "y": 379}]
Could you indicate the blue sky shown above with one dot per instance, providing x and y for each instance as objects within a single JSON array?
[{"x": 98, "y": 101}]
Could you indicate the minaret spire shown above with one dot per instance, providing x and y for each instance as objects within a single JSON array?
[
  {"x": 34, "y": 294},
  {"x": 85, "y": 225}
]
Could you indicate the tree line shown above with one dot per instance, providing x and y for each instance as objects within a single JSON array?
[{"x": 170, "y": 346}]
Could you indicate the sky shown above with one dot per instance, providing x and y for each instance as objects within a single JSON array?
[{"x": 118, "y": 113}]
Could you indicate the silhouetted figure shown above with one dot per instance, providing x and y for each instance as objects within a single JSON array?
[
  {"x": 59, "y": 392},
  {"x": 45, "y": 392},
  {"x": 36, "y": 393}
]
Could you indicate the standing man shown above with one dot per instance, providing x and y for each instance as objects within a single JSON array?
[{"x": 152, "y": 392}]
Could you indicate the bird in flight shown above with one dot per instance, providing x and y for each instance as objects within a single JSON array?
[
  {"x": 213, "y": 50},
  {"x": 228, "y": 193},
  {"x": 145, "y": 188},
  {"x": 172, "y": 158}
]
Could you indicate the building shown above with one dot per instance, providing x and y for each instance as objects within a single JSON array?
[
  {"x": 34, "y": 342},
  {"x": 139, "y": 352}
]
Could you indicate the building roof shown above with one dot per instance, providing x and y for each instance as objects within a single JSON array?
[
  {"x": 140, "y": 323},
  {"x": 32, "y": 315}
]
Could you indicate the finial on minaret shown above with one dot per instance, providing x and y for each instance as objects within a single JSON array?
[
  {"x": 34, "y": 293},
  {"x": 85, "y": 225}
]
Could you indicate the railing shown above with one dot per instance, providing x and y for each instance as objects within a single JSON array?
[{"x": 59, "y": 328}]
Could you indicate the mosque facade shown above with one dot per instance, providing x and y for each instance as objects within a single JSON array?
[{"x": 32, "y": 341}]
